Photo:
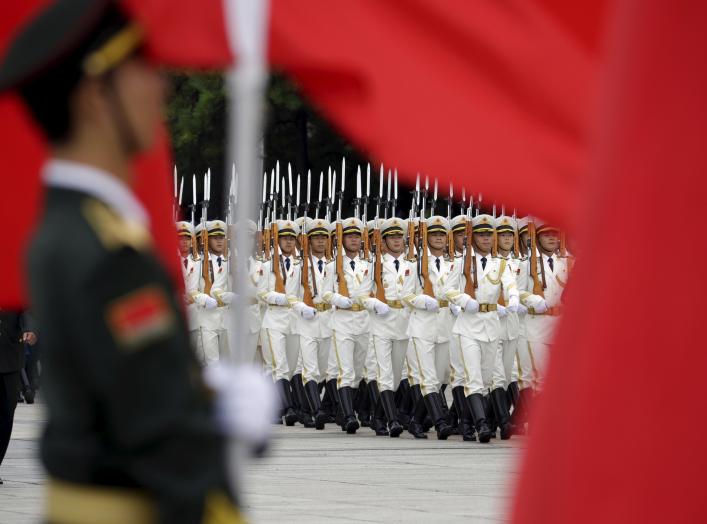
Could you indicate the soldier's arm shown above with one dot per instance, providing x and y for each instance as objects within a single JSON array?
[{"x": 153, "y": 406}]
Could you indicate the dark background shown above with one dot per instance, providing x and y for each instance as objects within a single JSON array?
[{"x": 294, "y": 132}]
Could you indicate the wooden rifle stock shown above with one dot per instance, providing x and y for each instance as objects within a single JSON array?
[
  {"x": 307, "y": 297},
  {"x": 537, "y": 284},
  {"x": 340, "y": 275},
  {"x": 516, "y": 244},
  {"x": 424, "y": 269},
  {"x": 206, "y": 263},
  {"x": 276, "y": 261},
  {"x": 411, "y": 239},
  {"x": 194, "y": 249},
  {"x": 469, "y": 274},
  {"x": 450, "y": 245},
  {"x": 378, "y": 273},
  {"x": 366, "y": 244}
]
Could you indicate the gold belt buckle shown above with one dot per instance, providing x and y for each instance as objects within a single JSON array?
[
  {"x": 443, "y": 303},
  {"x": 395, "y": 304}
]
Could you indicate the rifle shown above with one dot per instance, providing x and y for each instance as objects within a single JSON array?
[
  {"x": 411, "y": 219},
  {"x": 538, "y": 286},
  {"x": 469, "y": 269},
  {"x": 378, "y": 271},
  {"x": 516, "y": 240},
  {"x": 424, "y": 272},
  {"x": 450, "y": 236},
  {"x": 340, "y": 275},
  {"x": 307, "y": 297},
  {"x": 206, "y": 263},
  {"x": 277, "y": 260}
]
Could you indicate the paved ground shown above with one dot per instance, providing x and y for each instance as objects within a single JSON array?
[{"x": 323, "y": 476}]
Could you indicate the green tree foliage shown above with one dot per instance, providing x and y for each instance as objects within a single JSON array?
[{"x": 294, "y": 132}]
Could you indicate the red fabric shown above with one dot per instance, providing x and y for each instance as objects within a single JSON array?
[
  {"x": 619, "y": 434},
  {"x": 494, "y": 93}
]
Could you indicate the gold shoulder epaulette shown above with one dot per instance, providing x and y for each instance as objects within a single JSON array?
[{"x": 112, "y": 230}]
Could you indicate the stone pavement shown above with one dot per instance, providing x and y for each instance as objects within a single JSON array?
[{"x": 324, "y": 476}]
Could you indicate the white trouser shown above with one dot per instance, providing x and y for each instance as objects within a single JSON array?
[
  {"x": 389, "y": 356},
  {"x": 508, "y": 351},
  {"x": 350, "y": 356},
  {"x": 411, "y": 365},
  {"x": 432, "y": 363},
  {"x": 538, "y": 353},
  {"x": 370, "y": 367},
  {"x": 212, "y": 345},
  {"x": 483, "y": 365},
  {"x": 281, "y": 352},
  {"x": 315, "y": 357},
  {"x": 442, "y": 359},
  {"x": 456, "y": 377},
  {"x": 524, "y": 364}
]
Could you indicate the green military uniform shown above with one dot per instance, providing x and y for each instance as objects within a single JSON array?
[{"x": 131, "y": 436}]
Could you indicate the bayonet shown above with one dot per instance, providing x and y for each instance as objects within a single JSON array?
[{"x": 358, "y": 193}]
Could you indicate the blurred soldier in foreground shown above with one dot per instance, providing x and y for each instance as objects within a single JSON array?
[{"x": 131, "y": 435}]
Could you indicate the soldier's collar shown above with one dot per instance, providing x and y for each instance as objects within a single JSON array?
[{"x": 98, "y": 184}]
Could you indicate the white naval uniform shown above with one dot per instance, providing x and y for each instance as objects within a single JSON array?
[
  {"x": 280, "y": 345},
  {"x": 510, "y": 326},
  {"x": 523, "y": 370},
  {"x": 315, "y": 333},
  {"x": 350, "y": 327},
  {"x": 190, "y": 274},
  {"x": 479, "y": 333},
  {"x": 248, "y": 344},
  {"x": 429, "y": 331},
  {"x": 212, "y": 341},
  {"x": 540, "y": 329},
  {"x": 389, "y": 340}
]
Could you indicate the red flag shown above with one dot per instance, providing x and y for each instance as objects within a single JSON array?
[
  {"x": 493, "y": 93},
  {"x": 619, "y": 433}
]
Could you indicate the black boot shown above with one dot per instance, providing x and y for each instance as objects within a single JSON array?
[
  {"x": 415, "y": 428},
  {"x": 286, "y": 399},
  {"x": 328, "y": 402},
  {"x": 378, "y": 422},
  {"x": 403, "y": 401},
  {"x": 498, "y": 399},
  {"x": 302, "y": 405},
  {"x": 333, "y": 392},
  {"x": 491, "y": 421},
  {"x": 387, "y": 400},
  {"x": 362, "y": 404},
  {"x": 350, "y": 424},
  {"x": 433, "y": 402},
  {"x": 475, "y": 403},
  {"x": 525, "y": 399},
  {"x": 315, "y": 404},
  {"x": 466, "y": 426},
  {"x": 517, "y": 403}
]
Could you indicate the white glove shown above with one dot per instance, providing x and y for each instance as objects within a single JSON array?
[
  {"x": 279, "y": 299},
  {"x": 205, "y": 301},
  {"x": 381, "y": 308},
  {"x": 341, "y": 301},
  {"x": 513, "y": 304},
  {"x": 533, "y": 300},
  {"x": 246, "y": 402},
  {"x": 455, "y": 310},
  {"x": 522, "y": 310},
  {"x": 501, "y": 310},
  {"x": 541, "y": 306},
  {"x": 471, "y": 306},
  {"x": 303, "y": 309},
  {"x": 431, "y": 303},
  {"x": 227, "y": 297}
]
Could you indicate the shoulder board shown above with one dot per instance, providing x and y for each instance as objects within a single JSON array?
[{"x": 114, "y": 232}]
